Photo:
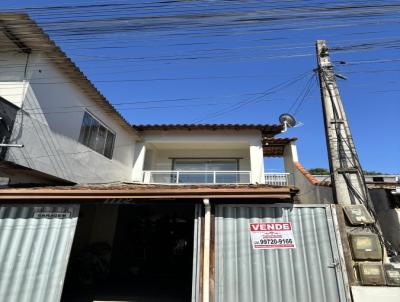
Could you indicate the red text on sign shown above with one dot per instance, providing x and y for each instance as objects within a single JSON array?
[{"x": 270, "y": 226}]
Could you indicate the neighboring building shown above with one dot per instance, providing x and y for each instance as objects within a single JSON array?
[
  {"x": 385, "y": 195},
  {"x": 67, "y": 127},
  {"x": 386, "y": 199},
  {"x": 149, "y": 212}
]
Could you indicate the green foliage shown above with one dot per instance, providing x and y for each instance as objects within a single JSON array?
[{"x": 318, "y": 171}]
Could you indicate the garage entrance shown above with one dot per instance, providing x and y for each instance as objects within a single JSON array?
[{"x": 141, "y": 253}]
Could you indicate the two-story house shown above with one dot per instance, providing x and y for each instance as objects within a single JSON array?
[{"x": 96, "y": 209}]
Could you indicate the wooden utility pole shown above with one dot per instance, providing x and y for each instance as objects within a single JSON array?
[{"x": 347, "y": 178}]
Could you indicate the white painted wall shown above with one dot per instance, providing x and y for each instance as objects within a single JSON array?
[
  {"x": 139, "y": 161},
  {"x": 12, "y": 72},
  {"x": 50, "y": 131},
  {"x": 257, "y": 162},
  {"x": 162, "y": 159}
]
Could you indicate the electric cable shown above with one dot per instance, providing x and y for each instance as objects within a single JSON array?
[{"x": 364, "y": 196}]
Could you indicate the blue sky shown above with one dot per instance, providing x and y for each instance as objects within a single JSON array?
[{"x": 195, "y": 62}]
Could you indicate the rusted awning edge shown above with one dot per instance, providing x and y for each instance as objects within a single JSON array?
[
  {"x": 153, "y": 197},
  {"x": 48, "y": 193}
]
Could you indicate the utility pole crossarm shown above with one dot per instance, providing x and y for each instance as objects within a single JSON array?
[{"x": 347, "y": 178}]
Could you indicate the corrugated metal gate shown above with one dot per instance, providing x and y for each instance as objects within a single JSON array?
[
  {"x": 35, "y": 242},
  {"x": 310, "y": 272}
]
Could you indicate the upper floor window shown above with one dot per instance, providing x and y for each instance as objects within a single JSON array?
[
  {"x": 205, "y": 170},
  {"x": 202, "y": 164},
  {"x": 96, "y": 136}
]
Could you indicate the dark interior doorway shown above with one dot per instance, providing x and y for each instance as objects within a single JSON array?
[{"x": 146, "y": 257}]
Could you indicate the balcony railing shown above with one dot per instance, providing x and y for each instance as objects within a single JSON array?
[
  {"x": 277, "y": 179},
  {"x": 211, "y": 177},
  {"x": 197, "y": 177}
]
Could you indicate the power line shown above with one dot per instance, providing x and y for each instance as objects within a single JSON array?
[
  {"x": 239, "y": 105},
  {"x": 95, "y": 25}
]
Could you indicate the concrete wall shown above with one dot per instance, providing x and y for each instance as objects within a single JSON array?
[
  {"x": 375, "y": 293},
  {"x": 49, "y": 125},
  {"x": 309, "y": 193},
  {"x": 160, "y": 147}
]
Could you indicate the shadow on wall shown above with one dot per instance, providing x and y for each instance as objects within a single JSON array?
[{"x": 8, "y": 113}]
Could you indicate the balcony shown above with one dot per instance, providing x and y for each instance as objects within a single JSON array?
[{"x": 211, "y": 177}]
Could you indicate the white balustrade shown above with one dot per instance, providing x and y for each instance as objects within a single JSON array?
[{"x": 277, "y": 179}]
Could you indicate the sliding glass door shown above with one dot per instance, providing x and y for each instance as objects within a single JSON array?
[{"x": 206, "y": 170}]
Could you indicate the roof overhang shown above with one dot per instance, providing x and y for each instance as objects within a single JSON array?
[
  {"x": 132, "y": 191},
  {"x": 10, "y": 169},
  {"x": 29, "y": 37},
  {"x": 275, "y": 147},
  {"x": 267, "y": 130}
]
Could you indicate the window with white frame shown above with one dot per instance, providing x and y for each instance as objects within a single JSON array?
[
  {"x": 205, "y": 164},
  {"x": 206, "y": 170},
  {"x": 96, "y": 136}
]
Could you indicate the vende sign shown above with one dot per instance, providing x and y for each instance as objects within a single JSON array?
[
  {"x": 272, "y": 235},
  {"x": 270, "y": 226}
]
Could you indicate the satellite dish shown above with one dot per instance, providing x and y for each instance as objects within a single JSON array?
[{"x": 287, "y": 120}]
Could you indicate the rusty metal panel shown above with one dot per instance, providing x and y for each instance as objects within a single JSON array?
[
  {"x": 310, "y": 272},
  {"x": 35, "y": 243}
]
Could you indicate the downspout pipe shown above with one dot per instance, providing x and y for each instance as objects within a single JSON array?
[{"x": 206, "y": 254}]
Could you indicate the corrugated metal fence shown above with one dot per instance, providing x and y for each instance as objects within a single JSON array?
[
  {"x": 307, "y": 273},
  {"x": 35, "y": 242}
]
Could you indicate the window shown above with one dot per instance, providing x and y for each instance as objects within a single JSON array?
[
  {"x": 202, "y": 170},
  {"x": 206, "y": 164},
  {"x": 96, "y": 136}
]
